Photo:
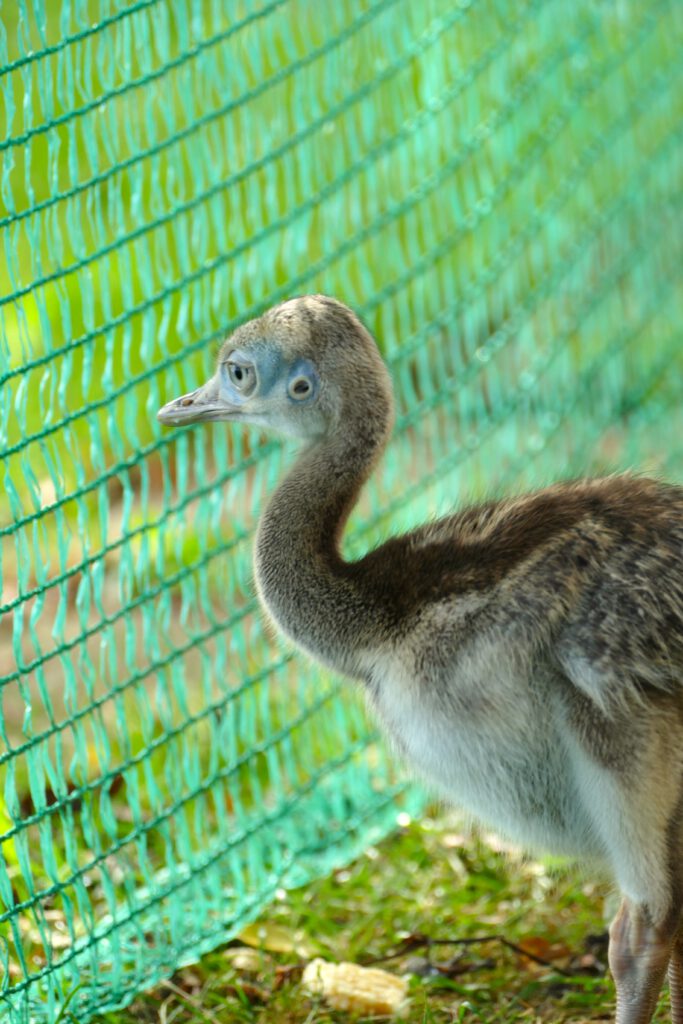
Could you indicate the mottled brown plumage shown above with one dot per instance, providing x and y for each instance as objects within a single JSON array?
[{"x": 525, "y": 655}]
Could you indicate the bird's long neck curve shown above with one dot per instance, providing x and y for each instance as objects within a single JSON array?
[{"x": 301, "y": 576}]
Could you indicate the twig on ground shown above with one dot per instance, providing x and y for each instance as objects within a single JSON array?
[{"x": 425, "y": 942}]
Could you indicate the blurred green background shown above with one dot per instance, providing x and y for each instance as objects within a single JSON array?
[{"x": 496, "y": 188}]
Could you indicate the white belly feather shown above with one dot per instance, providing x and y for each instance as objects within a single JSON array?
[{"x": 484, "y": 741}]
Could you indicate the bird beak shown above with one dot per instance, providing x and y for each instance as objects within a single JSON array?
[{"x": 197, "y": 406}]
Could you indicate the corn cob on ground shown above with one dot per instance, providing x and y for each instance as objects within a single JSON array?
[{"x": 355, "y": 989}]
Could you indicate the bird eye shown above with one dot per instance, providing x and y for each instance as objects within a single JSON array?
[
  {"x": 300, "y": 388},
  {"x": 242, "y": 377}
]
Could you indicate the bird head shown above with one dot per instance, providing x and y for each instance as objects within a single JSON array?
[{"x": 302, "y": 369}]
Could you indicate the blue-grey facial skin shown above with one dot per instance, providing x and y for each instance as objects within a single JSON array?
[
  {"x": 303, "y": 369},
  {"x": 272, "y": 401},
  {"x": 272, "y": 372},
  {"x": 268, "y": 365}
]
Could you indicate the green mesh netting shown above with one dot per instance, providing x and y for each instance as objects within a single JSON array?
[{"x": 496, "y": 187}]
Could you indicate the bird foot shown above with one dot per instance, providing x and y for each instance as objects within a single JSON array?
[{"x": 639, "y": 955}]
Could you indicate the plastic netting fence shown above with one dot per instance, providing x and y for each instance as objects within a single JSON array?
[{"x": 496, "y": 187}]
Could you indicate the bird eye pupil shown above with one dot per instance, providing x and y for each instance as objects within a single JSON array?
[
  {"x": 242, "y": 377},
  {"x": 301, "y": 387}
]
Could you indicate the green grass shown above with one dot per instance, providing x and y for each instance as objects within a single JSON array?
[{"x": 429, "y": 881}]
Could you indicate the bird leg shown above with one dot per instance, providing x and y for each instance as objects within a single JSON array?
[
  {"x": 638, "y": 957},
  {"x": 676, "y": 979}
]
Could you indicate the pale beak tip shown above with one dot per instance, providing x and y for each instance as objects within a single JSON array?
[
  {"x": 166, "y": 416},
  {"x": 201, "y": 405}
]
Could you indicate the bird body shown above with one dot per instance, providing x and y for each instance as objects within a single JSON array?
[
  {"x": 501, "y": 647},
  {"x": 524, "y": 655}
]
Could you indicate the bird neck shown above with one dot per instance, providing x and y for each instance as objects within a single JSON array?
[{"x": 302, "y": 579}]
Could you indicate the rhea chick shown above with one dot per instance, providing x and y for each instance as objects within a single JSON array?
[{"x": 525, "y": 655}]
